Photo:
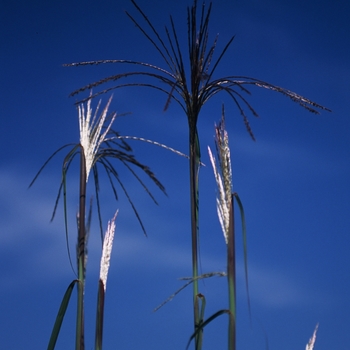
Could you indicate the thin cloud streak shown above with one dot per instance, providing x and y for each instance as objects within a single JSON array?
[{"x": 42, "y": 247}]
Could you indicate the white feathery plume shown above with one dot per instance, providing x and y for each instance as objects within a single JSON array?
[
  {"x": 223, "y": 175},
  {"x": 222, "y": 205},
  {"x": 107, "y": 250},
  {"x": 312, "y": 341},
  {"x": 225, "y": 158},
  {"x": 90, "y": 131}
]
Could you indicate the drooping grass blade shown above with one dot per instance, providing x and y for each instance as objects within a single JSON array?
[{"x": 60, "y": 316}]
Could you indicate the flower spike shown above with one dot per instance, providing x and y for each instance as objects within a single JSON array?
[
  {"x": 90, "y": 131},
  {"x": 107, "y": 250}
]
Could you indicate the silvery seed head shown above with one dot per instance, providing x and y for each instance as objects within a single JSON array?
[
  {"x": 91, "y": 137},
  {"x": 107, "y": 250}
]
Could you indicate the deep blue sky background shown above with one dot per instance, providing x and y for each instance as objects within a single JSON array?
[{"x": 293, "y": 181}]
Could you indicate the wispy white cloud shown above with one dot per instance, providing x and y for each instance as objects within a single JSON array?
[
  {"x": 38, "y": 249},
  {"x": 275, "y": 288},
  {"x": 269, "y": 287},
  {"x": 24, "y": 210},
  {"x": 33, "y": 247}
]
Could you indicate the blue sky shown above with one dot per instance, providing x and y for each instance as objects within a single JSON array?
[{"x": 293, "y": 180}]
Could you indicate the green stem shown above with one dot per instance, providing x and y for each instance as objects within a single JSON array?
[
  {"x": 99, "y": 315},
  {"x": 231, "y": 279},
  {"x": 194, "y": 167},
  {"x": 79, "y": 344}
]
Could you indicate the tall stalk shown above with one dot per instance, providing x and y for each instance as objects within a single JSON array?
[
  {"x": 194, "y": 190},
  {"x": 225, "y": 208},
  {"x": 231, "y": 278},
  {"x": 81, "y": 254}
]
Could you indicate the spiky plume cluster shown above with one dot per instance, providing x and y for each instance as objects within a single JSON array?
[
  {"x": 90, "y": 131},
  {"x": 223, "y": 175},
  {"x": 107, "y": 250},
  {"x": 312, "y": 341}
]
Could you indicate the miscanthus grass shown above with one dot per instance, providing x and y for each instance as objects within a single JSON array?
[
  {"x": 102, "y": 283},
  {"x": 99, "y": 145},
  {"x": 225, "y": 209},
  {"x": 188, "y": 77}
]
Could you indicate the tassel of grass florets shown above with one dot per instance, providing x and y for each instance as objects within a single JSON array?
[
  {"x": 90, "y": 131},
  {"x": 223, "y": 175}
]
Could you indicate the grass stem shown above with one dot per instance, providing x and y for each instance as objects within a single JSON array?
[
  {"x": 231, "y": 279},
  {"x": 194, "y": 169},
  {"x": 81, "y": 255}
]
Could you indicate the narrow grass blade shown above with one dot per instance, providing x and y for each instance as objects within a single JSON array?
[
  {"x": 205, "y": 323},
  {"x": 47, "y": 161},
  {"x": 97, "y": 189},
  {"x": 245, "y": 250},
  {"x": 153, "y": 143},
  {"x": 66, "y": 162},
  {"x": 60, "y": 315},
  {"x": 201, "y": 300},
  {"x": 110, "y": 170},
  {"x": 190, "y": 280},
  {"x": 164, "y": 55}
]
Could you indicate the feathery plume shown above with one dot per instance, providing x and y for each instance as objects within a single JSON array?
[
  {"x": 90, "y": 131},
  {"x": 106, "y": 250},
  {"x": 312, "y": 341},
  {"x": 221, "y": 204},
  {"x": 223, "y": 175}
]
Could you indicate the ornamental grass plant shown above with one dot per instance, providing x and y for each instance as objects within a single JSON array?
[
  {"x": 99, "y": 146},
  {"x": 189, "y": 78}
]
